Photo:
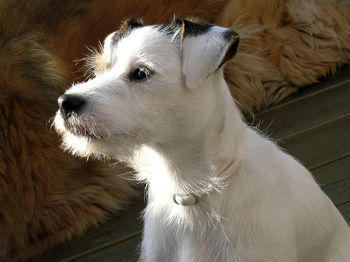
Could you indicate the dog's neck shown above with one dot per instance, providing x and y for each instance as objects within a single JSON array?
[{"x": 190, "y": 165}]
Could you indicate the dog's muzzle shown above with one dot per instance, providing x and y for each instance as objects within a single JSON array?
[{"x": 69, "y": 104}]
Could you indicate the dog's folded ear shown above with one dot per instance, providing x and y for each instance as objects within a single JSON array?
[{"x": 205, "y": 48}]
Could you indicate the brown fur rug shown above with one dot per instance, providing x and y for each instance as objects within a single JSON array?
[
  {"x": 47, "y": 196},
  {"x": 285, "y": 44}
]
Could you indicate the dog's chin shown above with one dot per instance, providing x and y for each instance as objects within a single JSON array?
[
  {"x": 83, "y": 132},
  {"x": 86, "y": 145},
  {"x": 82, "y": 142}
]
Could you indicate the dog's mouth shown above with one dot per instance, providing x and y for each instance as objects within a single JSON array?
[
  {"x": 78, "y": 128},
  {"x": 80, "y": 131},
  {"x": 86, "y": 126}
]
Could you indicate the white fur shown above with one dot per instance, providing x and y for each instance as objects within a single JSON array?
[
  {"x": 202, "y": 55},
  {"x": 177, "y": 138}
]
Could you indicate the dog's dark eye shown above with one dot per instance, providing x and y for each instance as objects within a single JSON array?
[{"x": 140, "y": 74}]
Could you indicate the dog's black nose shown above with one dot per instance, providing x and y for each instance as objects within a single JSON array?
[{"x": 69, "y": 104}]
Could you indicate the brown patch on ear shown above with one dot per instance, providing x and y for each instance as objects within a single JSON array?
[
  {"x": 232, "y": 49},
  {"x": 127, "y": 24},
  {"x": 123, "y": 27},
  {"x": 180, "y": 21},
  {"x": 100, "y": 60},
  {"x": 101, "y": 63},
  {"x": 192, "y": 27},
  {"x": 182, "y": 29}
]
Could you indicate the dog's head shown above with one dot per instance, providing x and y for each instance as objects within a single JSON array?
[{"x": 151, "y": 84}]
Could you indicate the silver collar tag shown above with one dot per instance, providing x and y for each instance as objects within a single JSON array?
[{"x": 186, "y": 200}]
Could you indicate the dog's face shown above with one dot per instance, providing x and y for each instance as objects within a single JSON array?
[{"x": 146, "y": 88}]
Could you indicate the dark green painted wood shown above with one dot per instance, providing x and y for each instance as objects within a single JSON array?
[
  {"x": 127, "y": 251},
  {"x": 345, "y": 211},
  {"x": 334, "y": 179},
  {"x": 339, "y": 192},
  {"x": 321, "y": 144},
  {"x": 308, "y": 112},
  {"x": 334, "y": 172},
  {"x": 117, "y": 227}
]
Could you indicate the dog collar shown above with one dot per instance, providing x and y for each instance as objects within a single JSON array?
[{"x": 192, "y": 199}]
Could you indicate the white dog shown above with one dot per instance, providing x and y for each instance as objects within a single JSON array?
[{"x": 217, "y": 189}]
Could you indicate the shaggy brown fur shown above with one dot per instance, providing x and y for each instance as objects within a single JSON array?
[
  {"x": 285, "y": 44},
  {"x": 47, "y": 196}
]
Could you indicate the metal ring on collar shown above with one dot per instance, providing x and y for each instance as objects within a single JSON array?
[{"x": 186, "y": 200}]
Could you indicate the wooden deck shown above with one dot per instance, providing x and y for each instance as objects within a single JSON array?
[{"x": 313, "y": 126}]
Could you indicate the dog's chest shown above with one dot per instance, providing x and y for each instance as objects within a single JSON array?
[
  {"x": 203, "y": 248},
  {"x": 186, "y": 234},
  {"x": 193, "y": 245}
]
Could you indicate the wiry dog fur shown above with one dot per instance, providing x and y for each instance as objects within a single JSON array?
[
  {"x": 161, "y": 104},
  {"x": 46, "y": 195}
]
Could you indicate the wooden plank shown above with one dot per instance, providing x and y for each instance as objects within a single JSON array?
[
  {"x": 127, "y": 251},
  {"x": 116, "y": 228},
  {"x": 307, "y": 112},
  {"x": 321, "y": 144},
  {"x": 334, "y": 179},
  {"x": 345, "y": 211},
  {"x": 339, "y": 192},
  {"x": 334, "y": 172}
]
